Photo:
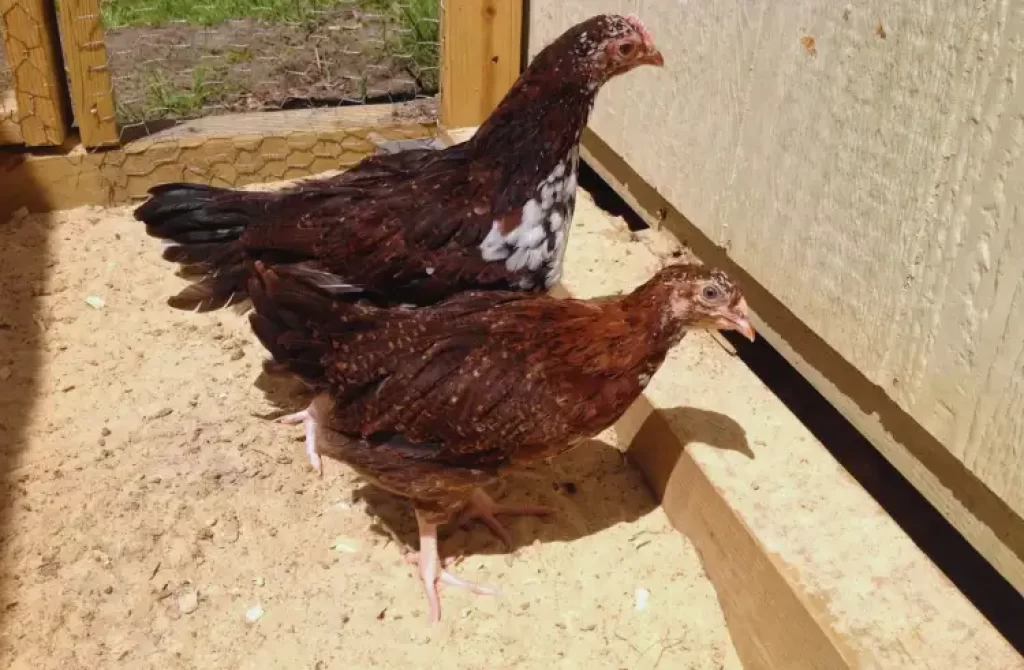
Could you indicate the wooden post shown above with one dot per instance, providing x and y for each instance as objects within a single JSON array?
[
  {"x": 481, "y": 43},
  {"x": 31, "y": 42},
  {"x": 85, "y": 55}
]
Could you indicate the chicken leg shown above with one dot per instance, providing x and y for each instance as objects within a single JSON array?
[
  {"x": 435, "y": 575},
  {"x": 482, "y": 507},
  {"x": 305, "y": 417}
]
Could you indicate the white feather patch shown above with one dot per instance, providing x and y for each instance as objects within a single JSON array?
[{"x": 526, "y": 246}]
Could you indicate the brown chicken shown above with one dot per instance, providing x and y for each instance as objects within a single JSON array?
[
  {"x": 432, "y": 403},
  {"x": 416, "y": 226}
]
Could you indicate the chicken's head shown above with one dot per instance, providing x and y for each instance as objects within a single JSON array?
[
  {"x": 600, "y": 48},
  {"x": 702, "y": 297}
]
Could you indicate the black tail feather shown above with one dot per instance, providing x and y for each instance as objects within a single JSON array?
[
  {"x": 203, "y": 225},
  {"x": 194, "y": 213}
]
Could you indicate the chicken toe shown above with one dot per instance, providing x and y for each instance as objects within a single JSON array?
[
  {"x": 305, "y": 417},
  {"x": 482, "y": 507},
  {"x": 434, "y": 575}
]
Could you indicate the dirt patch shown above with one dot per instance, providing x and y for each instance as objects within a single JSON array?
[
  {"x": 151, "y": 507},
  {"x": 186, "y": 71}
]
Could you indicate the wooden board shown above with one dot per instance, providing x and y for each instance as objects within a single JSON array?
[
  {"x": 85, "y": 57},
  {"x": 477, "y": 74},
  {"x": 230, "y": 151},
  {"x": 811, "y": 573},
  {"x": 10, "y": 131},
  {"x": 31, "y": 43},
  {"x": 862, "y": 164}
]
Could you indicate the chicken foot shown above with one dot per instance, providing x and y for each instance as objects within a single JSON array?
[
  {"x": 483, "y": 508},
  {"x": 434, "y": 573},
  {"x": 306, "y": 418}
]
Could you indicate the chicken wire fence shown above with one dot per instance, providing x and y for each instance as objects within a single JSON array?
[
  {"x": 181, "y": 59},
  {"x": 6, "y": 85},
  {"x": 172, "y": 60}
]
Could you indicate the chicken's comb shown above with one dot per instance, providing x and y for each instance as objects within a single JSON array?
[{"x": 638, "y": 25}]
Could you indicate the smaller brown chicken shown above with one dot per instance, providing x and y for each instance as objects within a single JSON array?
[{"x": 433, "y": 403}]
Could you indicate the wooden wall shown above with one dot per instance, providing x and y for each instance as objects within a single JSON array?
[{"x": 862, "y": 163}]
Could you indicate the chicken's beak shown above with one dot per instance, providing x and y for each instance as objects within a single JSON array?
[
  {"x": 743, "y": 326},
  {"x": 653, "y": 57},
  {"x": 737, "y": 319}
]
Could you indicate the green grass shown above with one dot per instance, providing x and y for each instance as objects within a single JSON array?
[
  {"x": 156, "y": 13},
  {"x": 165, "y": 99}
]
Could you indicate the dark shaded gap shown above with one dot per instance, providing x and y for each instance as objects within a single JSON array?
[
  {"x": 24, "y": 261},
  {"x": 607, "y": 199}
]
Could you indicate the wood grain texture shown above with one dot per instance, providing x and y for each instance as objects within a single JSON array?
[
  {"x": 31, "y": 44},
  {"x": 10, "y": 130},
  {"x": 235, "y": 151},
  {"x": 481, "y": 45},
  {"x": 871, "y": 184},
  {"x": 85, "y": 58}
]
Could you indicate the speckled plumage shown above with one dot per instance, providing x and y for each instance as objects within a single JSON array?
[
  {"x": 481, "y": 380},
  {"x": 433, "y": 402},
  {"x": 416, "y": 226}
]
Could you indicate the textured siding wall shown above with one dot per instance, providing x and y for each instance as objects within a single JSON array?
[{"x": 863, "y": 164}]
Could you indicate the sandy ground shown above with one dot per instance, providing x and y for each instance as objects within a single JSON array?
[{"x": 149, "y": 506}]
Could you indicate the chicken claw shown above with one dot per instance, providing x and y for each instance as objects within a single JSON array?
[
  {"x": 434, "y": 573},
  {"x": 305, "y": 417},
  {"x": 482, "y": 507}
]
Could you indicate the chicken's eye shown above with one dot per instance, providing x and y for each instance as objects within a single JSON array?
[
  {"x": 626, "y": 48},
  {"x": 710, "y": 293}
]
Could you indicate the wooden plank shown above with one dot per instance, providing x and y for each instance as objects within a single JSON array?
[
  {"x": 31, "y": 43},
  {"x": 85, "y": 57},
  {"x": 984, "y": 519},
  {"x": 810, "y": 572},
  {"x": 10, "y": 131},
  {"x": 233, "y": 151},
  {"x": 481, "y": 48}
]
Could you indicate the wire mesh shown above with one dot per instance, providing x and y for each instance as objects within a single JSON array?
[
  {"x": 7, "y": 104},
  {"x": 6, "y": 78},
  {"x": 183, "y": 59}
]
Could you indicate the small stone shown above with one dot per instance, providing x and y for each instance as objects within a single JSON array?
[
  {"x": 19, "y": 214},
  {"x": 259, "y": 581},
  {"x": 238, "y": 354},
  {"x": 108, "y": 590},
  {"x": 254, "y": 613},
  {"x": 5, "y": 373},
  {"x": 95, "y": 302},
  {"x": 188, "y": 602},
  {"x": 345, "y": 545},
  {"x": 104, "y": 432},
  {"x": 642, "y": 596},
  {"x": 161, "y": 413}
]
